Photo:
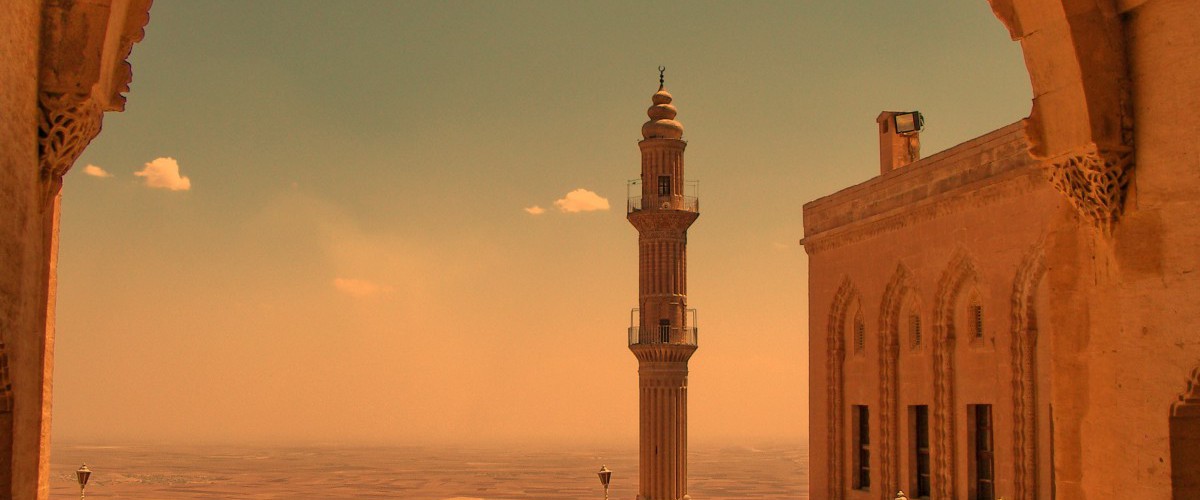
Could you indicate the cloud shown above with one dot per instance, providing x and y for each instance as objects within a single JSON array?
[
  {"x": 581, "y": 200},
  {"x": 359, "y": 288},
  {"x": 163, "y": 173},
  {"x": 534, "y": 210},
  {"x": 95, "y": 171}
]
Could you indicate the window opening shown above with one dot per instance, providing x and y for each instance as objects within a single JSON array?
[
  {"x": 983, "y": 466},
  {"x": 664, "y": 330},
  {"x": 862, "y": 448},
  {"x": 664, "y": 185},
  {"x": 920, "y": 433}
]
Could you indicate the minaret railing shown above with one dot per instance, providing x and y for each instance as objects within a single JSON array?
[
  {"x": 687, "y": 202},
  {"x": 678, "y": 335}
]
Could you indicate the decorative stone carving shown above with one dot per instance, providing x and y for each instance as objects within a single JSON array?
[
  {"x": 835, "y": 389},
  {"x": 67, "y": 124},
  {"x": 951, "y": 285},
  {"x": 1024, "y": 354},
  {"x": 1094, "y": 180},
  {"x": 889, "y": 359}
]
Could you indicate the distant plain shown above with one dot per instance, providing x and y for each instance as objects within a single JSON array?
[{"x": 773, "y": 472}]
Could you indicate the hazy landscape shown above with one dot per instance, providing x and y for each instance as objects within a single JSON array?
[{"x": 175, "y": 472}]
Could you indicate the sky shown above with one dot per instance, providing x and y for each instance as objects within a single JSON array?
[{"x": 391, "y": 223}]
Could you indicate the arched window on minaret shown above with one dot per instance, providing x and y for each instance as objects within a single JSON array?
[{"x": 664, "y": 330}]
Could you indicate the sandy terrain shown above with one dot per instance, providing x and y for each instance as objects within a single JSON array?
[{"x": 153, "y": 473}]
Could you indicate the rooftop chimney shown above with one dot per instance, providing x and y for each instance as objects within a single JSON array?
[{"x": 899, "y": 139}]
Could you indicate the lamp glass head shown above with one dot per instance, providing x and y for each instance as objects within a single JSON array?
[
  {"x": 907, "y": 123},
  {"x": 605, "y": 475},
  {"x": 82, "y": 475}
]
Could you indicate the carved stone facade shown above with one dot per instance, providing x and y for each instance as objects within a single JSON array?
[
  {"x": 64, "y": 66},
  {"x": 67, "y": 124},
  {"x": 1090, "y": 262},
  {"x": 1095, "y": 182},
  {"x": 947, "y": 251}
]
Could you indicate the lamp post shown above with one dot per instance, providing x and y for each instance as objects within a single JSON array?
[
  {"x": 605, "y": 477},
  {"x": 82, "y": 476}
]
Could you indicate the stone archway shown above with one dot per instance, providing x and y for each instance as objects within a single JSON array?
[
  {"x": 846, "y": 295},
  {"x": 1025, "y": 375},
  {"x": 889, "y": 381},
  {"x": 953, "y": 283},
  {"x": 1081, "y": 123}
]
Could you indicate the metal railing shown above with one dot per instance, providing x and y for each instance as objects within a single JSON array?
[
  {"x": 663, "y": 334},
  {"x": 687, "y": 201},
  {"x": 660, "y": 335},
  {"x": 666, "y": 202}
]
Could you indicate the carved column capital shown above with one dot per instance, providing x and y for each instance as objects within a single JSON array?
[
  {"x": 1094, "y": 180},
  {"x": 67, "y": 123}
]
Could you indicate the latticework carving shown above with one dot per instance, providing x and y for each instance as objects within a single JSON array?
[
  {"x": 1095, "y": 182},
  {"x": 6, "y": 402},
  {"x": 1024, "y": 362},
  {"x": 889, "y": 359},
  {"x": 835, "y": 388},
  {"x": 951, "y": 285},
  {"x": 67, "y": 124}
]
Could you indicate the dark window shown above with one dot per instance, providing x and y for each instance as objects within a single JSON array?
[
  {"x": 862, "y": 448},
  {"x": 982, "y": 460},
  {"x": 664, "y": 330},
  {"x": 977, "y": 320},
  {"x": 664, "y": 185},
  {"x": 920, "y": 457},
  {"x": 914, "y": 330}
]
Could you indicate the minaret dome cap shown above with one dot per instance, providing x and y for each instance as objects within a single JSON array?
[{"x": 662, "y": 124}]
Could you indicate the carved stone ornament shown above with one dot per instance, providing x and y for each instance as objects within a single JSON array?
[
  {"x": 1094, "y": 180},
  {"x": 67, "y": 123}
]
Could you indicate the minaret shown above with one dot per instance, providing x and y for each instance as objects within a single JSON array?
[{"x": 662, "y": 331}]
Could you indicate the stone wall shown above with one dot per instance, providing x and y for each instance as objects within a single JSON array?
[{"x": 968, "y": 226}]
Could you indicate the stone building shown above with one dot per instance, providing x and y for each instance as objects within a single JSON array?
[
  {"x": 662, "y": 330},
  {"x": 1014, "y": 317},
  {"x": 63, "y": 68}
]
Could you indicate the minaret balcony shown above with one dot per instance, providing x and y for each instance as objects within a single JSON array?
[
  {"x": 663, "y": 196},
  {"x": 683, "y": 203},
  {"x": 665, "y": 333}
]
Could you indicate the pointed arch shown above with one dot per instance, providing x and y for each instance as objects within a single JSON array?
[
  {"x": 961, "y": 272},
  {"x": 1024, "y": 362},
  {"x": 889, "y": 359},
  {"x": 846, "y": 295}
]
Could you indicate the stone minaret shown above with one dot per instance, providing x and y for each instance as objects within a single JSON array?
[{"x": 662, "y": 333}]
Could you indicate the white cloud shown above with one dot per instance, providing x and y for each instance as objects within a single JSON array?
[
  {"x": 95, "y": 171},
  {"x": 163, "y": 173},
  {"x": 359, "y": 288},
  {"x": 581, "y": 200},
  {"x": 534, "y": 210}
]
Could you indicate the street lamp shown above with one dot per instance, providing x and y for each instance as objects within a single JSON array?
[
  {"x": 605, "y": 477},
  {"x": 82, "y": 476}
]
